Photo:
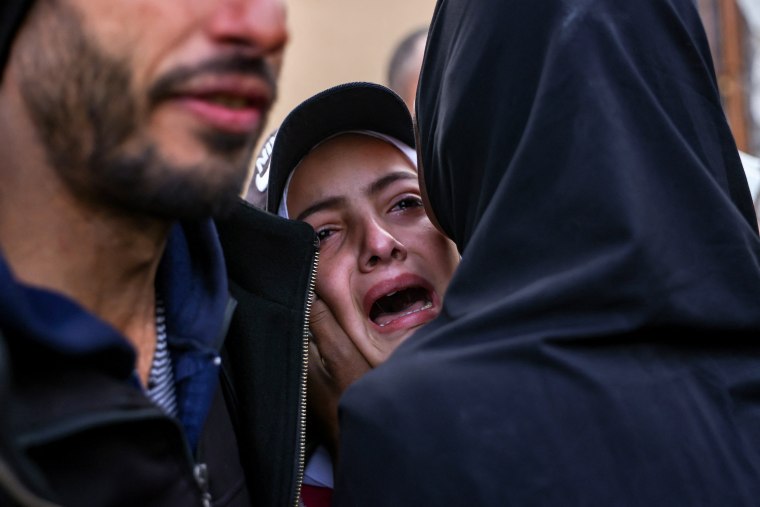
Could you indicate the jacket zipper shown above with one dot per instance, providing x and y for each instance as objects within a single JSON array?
[
  {"x": 304, "y": 374},
  {"x": 200, "y": 473}
]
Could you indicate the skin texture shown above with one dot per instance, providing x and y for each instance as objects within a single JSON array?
[
  {"x": 111, "y": 135},
  {"x": 335, "y": 363},
  {"x": 137, "y": 102},
  {"x": 366, "y": 238}
]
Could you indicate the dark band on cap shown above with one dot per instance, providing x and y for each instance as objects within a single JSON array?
[{"x": 344, "y": 108}]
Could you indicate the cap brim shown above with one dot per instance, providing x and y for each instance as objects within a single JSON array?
[{"x": 347, "y": 107}]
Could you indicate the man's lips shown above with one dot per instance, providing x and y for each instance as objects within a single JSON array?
[
  {"x": 234, "y": 105},
  {"x": 401, "y": 303}
]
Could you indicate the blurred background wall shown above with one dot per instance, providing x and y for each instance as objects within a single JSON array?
[
  {"x": 336, "y": 41},
  {"x": 733, "y": 29}
]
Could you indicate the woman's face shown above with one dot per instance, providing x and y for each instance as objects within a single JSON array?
[{"x": 383, "y": 267}]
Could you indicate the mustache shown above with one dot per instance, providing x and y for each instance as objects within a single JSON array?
[{"x": 167, "y": 84}]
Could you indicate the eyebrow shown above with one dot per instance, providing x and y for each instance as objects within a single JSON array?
[
  {"x": 370, "y": 190},
  {"x": 382, "y": 183},
  {"x": 330, "y": 202}
]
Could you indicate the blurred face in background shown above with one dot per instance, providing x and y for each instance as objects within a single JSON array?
[
  {"x": 150, "y": 106},
  {"x": 383, "y": 267},
  {"x": 408, "y": 90}
]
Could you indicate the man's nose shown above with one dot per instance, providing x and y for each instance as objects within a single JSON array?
[
  {"x": 260, "y": 24},
  {"x": 379, "y": 246}
]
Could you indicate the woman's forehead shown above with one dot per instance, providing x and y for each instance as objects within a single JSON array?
[
  {"x": 346, "y": 169},
  {"x": 350, "y": 158},
  {"x": 358, "y": 143}
]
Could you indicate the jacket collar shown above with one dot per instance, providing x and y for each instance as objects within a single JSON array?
[{"x": 191, "y": 279}]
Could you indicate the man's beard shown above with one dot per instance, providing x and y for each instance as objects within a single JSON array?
[{"x": 88, "y": 120}]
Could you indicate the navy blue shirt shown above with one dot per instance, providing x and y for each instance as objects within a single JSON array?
[{"x": 192, "y": 279}]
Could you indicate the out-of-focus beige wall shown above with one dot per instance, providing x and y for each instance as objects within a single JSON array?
[{"x": 337, "y": 41}]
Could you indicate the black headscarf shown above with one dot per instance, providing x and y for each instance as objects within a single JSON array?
[
  {"x": 599, "y": 343},
  {"x": 12, "y": 14}
]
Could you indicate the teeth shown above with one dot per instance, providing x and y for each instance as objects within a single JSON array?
[
  {"x": 229, "y": 101},
  {"x": 391, "y": 293},
  {"x": 424, "y": 307}
]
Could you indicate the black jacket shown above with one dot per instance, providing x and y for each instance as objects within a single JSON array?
[
  {"x": 598, "y": 344},
  {"x": 76, "y": 432}
]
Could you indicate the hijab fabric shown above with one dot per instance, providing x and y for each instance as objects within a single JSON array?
[{"x": 598, "y": 344}]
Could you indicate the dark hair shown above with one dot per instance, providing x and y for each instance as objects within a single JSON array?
[{"x": 401, "y": 55}]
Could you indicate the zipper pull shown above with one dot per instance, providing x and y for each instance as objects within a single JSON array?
[{"x": 200, "y": 471}]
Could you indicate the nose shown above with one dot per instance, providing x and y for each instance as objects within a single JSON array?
[
  {"x": 260, "y": 24},
  {"x": 379, "y": 246}
]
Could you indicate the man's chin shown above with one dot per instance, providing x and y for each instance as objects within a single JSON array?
[
  {"x": 149, "y": 185},
  {"x": 190, "y": 201}
]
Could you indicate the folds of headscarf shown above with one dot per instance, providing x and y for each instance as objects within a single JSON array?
[
  {"x": 597, "y": 169},
  {"x": 599, "y": 336}
]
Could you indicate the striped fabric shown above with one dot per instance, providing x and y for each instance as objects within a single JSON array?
[{"x": 161, "y": 388}]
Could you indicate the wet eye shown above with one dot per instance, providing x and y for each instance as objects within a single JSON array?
[
  {"x": 407, "y": 203},
  {"x": 324, "y": 234}
]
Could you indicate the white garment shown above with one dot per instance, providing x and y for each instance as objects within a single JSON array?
[
  {"x": 319, "y": 471},
  {"x": 752, "y": 171}
]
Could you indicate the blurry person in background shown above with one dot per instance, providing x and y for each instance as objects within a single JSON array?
[
  {"x": 138, "y": 372},
  {"x": 598, "y": 343},
  {"x": 404, "y": 66},
  {"x": 344, "y": 162}
]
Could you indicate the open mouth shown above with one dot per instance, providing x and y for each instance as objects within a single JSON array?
[
  {"x": 400, "y": 303},
  {"x": 230, "y": 101},
  {"x": 229, "y": 111}
]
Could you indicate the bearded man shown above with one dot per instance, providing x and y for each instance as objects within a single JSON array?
[{"x": 153, "y": 327}]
